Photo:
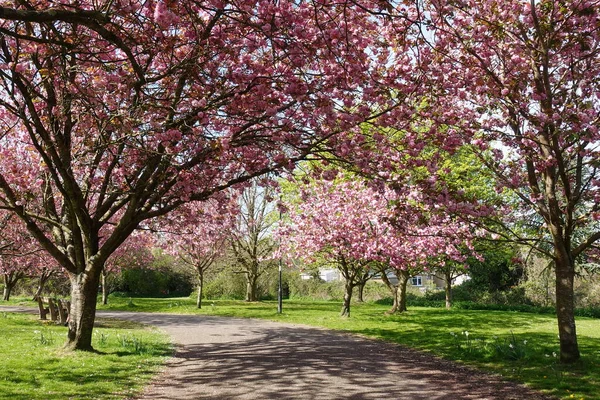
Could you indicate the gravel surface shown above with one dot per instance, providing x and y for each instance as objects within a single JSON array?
[{"x": 245, "y": 359}]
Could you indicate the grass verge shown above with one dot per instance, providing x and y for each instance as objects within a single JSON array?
[
  {"x": 518, "y": 346},
  {"x": 35, "y": 365}
]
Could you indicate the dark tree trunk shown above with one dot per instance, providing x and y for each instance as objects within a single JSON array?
[
  {"x": 104, "y": 287},
  {"x": 46, "y": 274},
  {"x": 565, "y": 311},
  {"x": 403, "y": 277},
  {"x": 360, "y": 293},
  {"x": 84, "y": 291},
  {"x": 10, "y": 281},
  {"x": 348, "y": 286},
  {"x": 7, "y": 288},
  {"x": 251, "y": 287},
  {"x": 448, "y": 288},
  {"x": 200, "y": 287}
]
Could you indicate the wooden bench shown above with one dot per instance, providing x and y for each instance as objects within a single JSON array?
[{"x": 57, "y": 308}]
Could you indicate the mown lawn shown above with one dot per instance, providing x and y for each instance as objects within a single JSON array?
[
  {"x": 519, "y": 346},
  {"x": 35, "y": 366}
]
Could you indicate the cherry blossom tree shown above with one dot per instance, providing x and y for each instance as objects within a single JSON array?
[
  {"x": 116, "y": 112},
  {"x": 18, "y": 258},
  {"x": 519, "y": 79},
  {"x": 199, "y": 233},
  {"x": 352, "y": 225}
]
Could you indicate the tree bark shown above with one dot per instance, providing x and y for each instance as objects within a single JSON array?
[
  {"x": 84, "y": 291},
  {"x": 448, "y": 288},
  {"x": 403, "y": 277},
  {"x": 200, "y": 287},
  {"x": 348, "y": 286},
  {"x": 7, "y": 289},
  {"x": 360, "y": 293},
  {"x": 565, "y": 311},
  {"x": 104, "y": 288},
  {"x": 393, "y": 290},
  {"x": 251, "y": 287},
  {"x": 10, "y": 281}
]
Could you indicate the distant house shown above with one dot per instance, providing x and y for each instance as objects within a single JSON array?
[
  {"x": 426, "y": 281},
  {"x": 325, "y": 274},
  {"x": 423, "y": 281}
]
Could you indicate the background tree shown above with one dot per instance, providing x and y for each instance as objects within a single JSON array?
[
  {"x": 115, "y": 113},
  {"x": 350, "y": 225},
  {"x": 198, "y": 234},
  {"x": 18, "y": 253},
  {"x": 448, "y": 271},
  {"x": 251, "y": 240}
]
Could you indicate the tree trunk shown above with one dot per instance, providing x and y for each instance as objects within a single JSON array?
[
  {"x": 104, "y": 288},
  {"x": 565, "y": 310},
  {"x": 361, "y": 290},
  {"x": 393, "y": 290},
  {"x": 42, "y": 283},
  {"x": 348, "y": 286},
  {"x": 84, "y": 291},
  {"x": 10, "y": 281},
  {"x": 251, "y": 287},
  {"x": 403, "y": 277},
  {"x": 7, "y": 288},
  {"x": 396, "y": 302},
  {"x": 200, "y": 286},
  {"x": 448, "y": 288}
]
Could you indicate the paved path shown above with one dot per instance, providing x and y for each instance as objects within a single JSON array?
[{"x": 244, "y": 359}]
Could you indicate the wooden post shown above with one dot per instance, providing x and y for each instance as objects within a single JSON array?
[
  {"x": 43, "y": 310},
  {"x": 63, "y": 311},
  {"x": 53, "y": 309}
]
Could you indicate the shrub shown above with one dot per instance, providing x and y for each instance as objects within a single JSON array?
[
  {"x": 225, "y": 285},
  {"x": 159, "y": 282}
]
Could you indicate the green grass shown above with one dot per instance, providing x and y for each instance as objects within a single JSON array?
[
  {"x": 519, "y": 346},
  {"x": 35, "y": 365}
]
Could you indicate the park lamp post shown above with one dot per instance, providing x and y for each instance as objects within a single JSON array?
[
  {"x": 280, "y": 286},
  {"x": 280, "y": 291}
]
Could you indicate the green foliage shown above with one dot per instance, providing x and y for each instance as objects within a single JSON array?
[
  {"x": 35, "y": 366},
  {"x": 225, "y": 285},
  {"x": 497, "y": 272},
  {"x": 316, "y": 289},
  {"x": 463, "y": 173},
  {"x": 157, "y": 282}
]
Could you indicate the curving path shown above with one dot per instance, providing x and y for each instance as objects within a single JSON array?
[
  {"x": 239, "y": 359},
  {"x": 243, "y": 359}
]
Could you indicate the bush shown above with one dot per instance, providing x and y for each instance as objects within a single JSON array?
[
  {"x": 159, "y": 282},
  {"x": 225, "y": 285},
  {"x": 316, "y": 289}
]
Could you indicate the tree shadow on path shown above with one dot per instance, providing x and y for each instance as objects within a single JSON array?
[{"x": 239, "y": 359}]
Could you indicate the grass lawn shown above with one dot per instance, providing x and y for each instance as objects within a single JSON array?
[
  {"x": 519, "y": 346},
  {"x": 35, "y": 366}
]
